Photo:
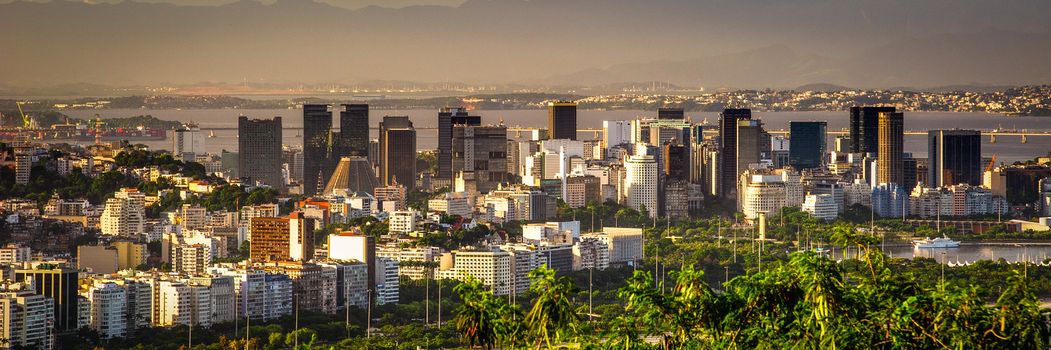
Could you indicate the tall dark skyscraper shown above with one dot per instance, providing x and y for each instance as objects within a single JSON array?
[
  {"x": 728, "y": 150},
  {"x": 353, "y": 131},
  {"x": 317, "y": 147},
  {"x": 447, "y": 118},
  {"x": 60, "y": 284},
  {"x": 864, "y": 128},
  {"x": 806, "y": 149},
  {"x": 397, "y": 151},
  {"x": 955, "y": 157},
  {"x": 259, "y": 150},
  {"x": 671, "y": 113},
  {"x": 890, "y": 163},
  {"x": 480, "y": 154},
  {"x": 562, "y": 120},
  {"x": 676, "y": 159}
]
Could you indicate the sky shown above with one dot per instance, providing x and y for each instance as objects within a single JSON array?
[
  {"x": 695, "y": 43},
  {"x": 350, "y": 4}
]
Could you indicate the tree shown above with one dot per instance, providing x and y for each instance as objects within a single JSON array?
[{"x": 552, "y": 311}]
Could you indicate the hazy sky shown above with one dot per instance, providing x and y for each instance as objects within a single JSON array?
[
  {"x": 350, "y": 4},
  {"x": 710, "y": 43}
]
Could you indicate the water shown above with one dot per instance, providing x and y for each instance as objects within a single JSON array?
[
  {"x": 971, "y": 252},
  {"x": 1007, "y": 149}
]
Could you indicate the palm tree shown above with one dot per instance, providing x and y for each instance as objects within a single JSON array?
[
  {"x": 552, "y": 310},
  {"x": 475, "y": 318}
]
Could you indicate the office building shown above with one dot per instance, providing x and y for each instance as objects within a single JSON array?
[
  {"x": 479, "y": 156},
  {"x": 640, "y": 184},
  {"x": 728, "y": 171},
  {"x": 59, "y": 283},
  {"x": 353, "y": 131},
  {"x": 615, "y": 132},
  {"x": 317, "y": 147},
  {"x": 954, "y": 157},
  {"x": 806, "y": 148},
  {"x": 671, "y": 113},
  {"x": 821, "y": 206},
  {"x": 624, "y": 243},
  {"x": 282, "y": 238},
  {"x": 864, "y": 128},
  {"x": 447, "y": 119},
  {"x": 890, "y": 200},
  {"x": 259, "y": 151},
  {"x": 397, "y": 151},
  {"x": 353, "y": 246},
  {"x": 562, "y": 120},
  {"x": 493, "y": 268},
  {"x": 890, "y": 164}
]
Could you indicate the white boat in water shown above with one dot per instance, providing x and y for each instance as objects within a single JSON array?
[{"x": 940, "y": 242}]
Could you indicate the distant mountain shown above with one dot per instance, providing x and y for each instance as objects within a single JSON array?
[{"x": 711, "y": 43}]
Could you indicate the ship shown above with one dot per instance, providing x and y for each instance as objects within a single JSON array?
[{"x": 940, "y": 242}]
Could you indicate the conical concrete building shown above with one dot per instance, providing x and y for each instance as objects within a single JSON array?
[{"x": 352, "y": 174}]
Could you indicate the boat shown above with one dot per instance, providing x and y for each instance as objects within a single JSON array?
[
  {"x": 940, "y": 242},
  {"x": 211, "y": 134}
]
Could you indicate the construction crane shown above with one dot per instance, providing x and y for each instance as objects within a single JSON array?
[
  {"x": 26, "y": 121},
  {"x": 992, "y": 163}
]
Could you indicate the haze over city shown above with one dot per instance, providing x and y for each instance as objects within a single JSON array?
[{"x": 709, "y": 43}]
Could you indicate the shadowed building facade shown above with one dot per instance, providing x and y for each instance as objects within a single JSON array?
[
  {"x": 562, "y": 120},
  {"x": 259, "y": 151},
  {"x": 317, "y": 147},
  {"x": 728, "y": 119},
  {"x": 954, "y": 157},
  {"x": 397, "y": 151},
  {"x": 864, "y": 128},
  {"x": 447, "y": 119},
  {"x": 353, "y": 131},
  {"x": 806, "y": 148}
]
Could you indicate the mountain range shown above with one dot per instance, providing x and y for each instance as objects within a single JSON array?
[{"x": 695, "y": 43}]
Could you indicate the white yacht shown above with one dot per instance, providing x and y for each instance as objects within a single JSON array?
[{"x": 940, "y": 242}]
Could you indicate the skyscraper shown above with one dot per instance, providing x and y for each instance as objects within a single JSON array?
[
  {"x": 353, "y": 131},
  {"x": 60, "y": 284},
  {"x": 890, "y": 164},
  {"x": 864, "y": 126},
  {"x": 954, "y": 157},
  {"x": 259, "y": 151},
  {"x": 562, "y": 120},
  {"x": 447, "y": 118},
  {"x": 640, "y": 183},
  {"x": 728, "y": 150},
  {"x": 479, "y": 154},
  {"x": 753, "y": 145},
  {"x": 397, "y": 151},
  {"x": 806, "y": 148},
  {"x": 317, "y": 147},
  {"x": 671, "y": 113}
]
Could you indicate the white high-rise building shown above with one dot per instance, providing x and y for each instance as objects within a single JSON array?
[
  {"x": 625, "y": 243},
  {"x": 415, "y": 255},
  {"x": 125, "y": 213},
  {"x": 590, "y": 253},
  {"x": 821, "y": 206},
  {"x": 261, "y": 295},
  {"x": 174, "y": 304},
  {"x": 615, "y": 132},
  {"x": 188, "y": 142},
  {"x": 402, "y": 221},
  {"x": 108, "y": 303},
  {"x": 640, "y": 183},
  {"x": 492, "y": 267},
  {"x": 27, "y": 317},
  {"x": 387, "y": 283}
]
